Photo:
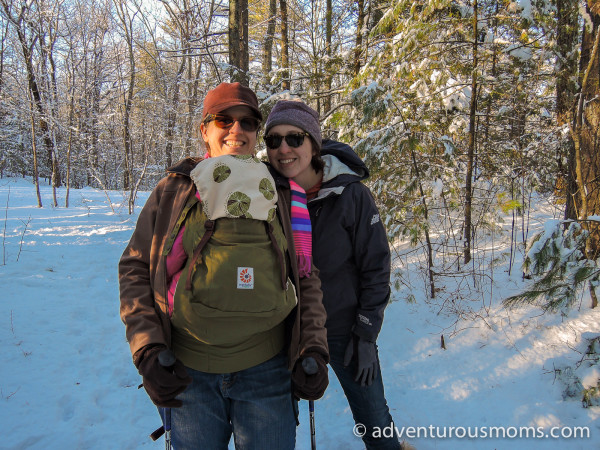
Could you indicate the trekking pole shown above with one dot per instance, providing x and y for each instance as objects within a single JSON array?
[
  {"x": 167, "y": 359},
  {"x": 309, "y": 365},
  {"x": 313, "y": 436}
]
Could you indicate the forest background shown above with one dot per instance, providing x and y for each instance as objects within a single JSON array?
[{"x": 464, "y": 111}]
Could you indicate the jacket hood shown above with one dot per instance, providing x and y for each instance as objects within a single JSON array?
[
  {"x": 342, "y": 165},
  {"x": 185, "y": 166}
]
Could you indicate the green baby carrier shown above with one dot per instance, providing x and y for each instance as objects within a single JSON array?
[{"x": 234, "y": 284}]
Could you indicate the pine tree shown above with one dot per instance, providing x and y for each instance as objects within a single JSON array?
[{"x": 454, "y": 106}]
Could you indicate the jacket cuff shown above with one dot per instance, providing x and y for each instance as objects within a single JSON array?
[
  {"x": 315, "y": 350},
  {"x": 364, "y": 328},
  {"x": 139, "y": 356}
]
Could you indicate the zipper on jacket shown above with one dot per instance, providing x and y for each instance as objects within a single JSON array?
[
  {"x": 180, "y": 220},
  {"x": 173, "y": 234},
  {"x": 317, "y": 211}
]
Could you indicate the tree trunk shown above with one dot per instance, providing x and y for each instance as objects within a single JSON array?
[
  {"x": 51, "y": 110},
  {"x": 586, "y": 131},
  {"x": 182, "y": 19},
  {"x": 471, "y": 149},
  {"x": 193, "y": 89},
  {"x": 238, "y": 41},
  {"x": 2, "y": 49},
  {"x": 36, "y": 178},
  {"x": 172, "y": 116},
  {"x": 489, "y": 100},
  {"x": 566, "y": 88},
  {"x": 37, "y": 98},
  {"x": 95, "y": 113},
  {"x": 426, "y": 230},
  {"x": 192, "y": 101},
  {"x": 127, "y": 147},
  {"x": 329, "y": 51},
  {"x": 70, "y": 141},
  {"x": 375, "y": 9},
  {"x": 285, "y": 61},
  {"x": 267, "y": 60},
  {"x": 69, "y": 151},
  {"x": 359, "y": 36},
  {"x": 128, "y": 182}
]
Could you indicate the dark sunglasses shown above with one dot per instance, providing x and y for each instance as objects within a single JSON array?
[
  {"x": 295, "y": 140},
  {"x": 224, "y": 122}
]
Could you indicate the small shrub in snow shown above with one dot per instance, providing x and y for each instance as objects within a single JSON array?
[
  {"x": 573, "y": 387},
  {"x": 591, "y": 396},
  {"x": 582, "y": 382},
  {"x": 556, "y": 261}
]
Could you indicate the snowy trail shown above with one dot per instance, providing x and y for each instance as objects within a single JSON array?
[{"x": 67, "y": 381}]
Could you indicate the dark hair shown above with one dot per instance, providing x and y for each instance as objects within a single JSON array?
[{"x": 316, "y": 161}]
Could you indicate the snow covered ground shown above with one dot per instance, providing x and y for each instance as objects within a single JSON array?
[{"x": 67, "y": 381}]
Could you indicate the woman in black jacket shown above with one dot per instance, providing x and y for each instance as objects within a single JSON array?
[{"x": 350, "y": 249}]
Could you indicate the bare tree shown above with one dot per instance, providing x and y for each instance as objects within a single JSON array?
[
  {"x": 126, "y": 18},
  {"x": 2, "y": 51},
  {"x": 468, "y": 228},
  {"x": 93, "y": 78},
  {"x": 180, "y": 17},
  {"x": 28, "y": 36},
  {"x": 194, "y": 73},
  {"x": 36, "y": 178},
  {"x": 238, "y": 40},
  {"x": 47, "y": 25},
  {"x": 72, "y": 63},
  {"x": 267, "y": 60},
  {"x": 329, "y": 53},
  {"x": 285, "y": 46}
]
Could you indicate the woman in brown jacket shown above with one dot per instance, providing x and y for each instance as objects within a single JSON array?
[{"x": 235, "y": 369}]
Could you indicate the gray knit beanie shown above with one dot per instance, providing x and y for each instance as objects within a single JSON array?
[{"x": 298, "y": 114}]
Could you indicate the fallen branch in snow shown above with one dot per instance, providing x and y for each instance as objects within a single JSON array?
[
  {"x": 18, "y": 344},
  {"x": 9, "y": 395},
  {"x": 23, "y": 237},
  {"x": 4, "y": 233}
]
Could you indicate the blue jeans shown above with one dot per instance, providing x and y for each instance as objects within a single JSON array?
[
  {"x": 254, "y": 404},
  {"x": 368, "y": 404}
]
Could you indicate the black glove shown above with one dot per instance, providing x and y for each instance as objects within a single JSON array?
[
  {"x": 366, "y": 359},
  {"x": 161, "y": 383},
  {"x": 310, "y": 386}
]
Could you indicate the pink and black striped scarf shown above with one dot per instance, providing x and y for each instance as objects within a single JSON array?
[{"x": 301, "y": 229}]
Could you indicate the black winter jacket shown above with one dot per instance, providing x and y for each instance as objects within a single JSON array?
[{"x": 350, "y": 246}]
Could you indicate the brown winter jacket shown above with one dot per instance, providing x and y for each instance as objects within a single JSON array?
[{"x": 143, "y": 279}]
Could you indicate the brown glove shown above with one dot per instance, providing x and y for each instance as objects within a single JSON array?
[
  {"x": 310, "y": 386},
  {"x": 161, "y": 383}
]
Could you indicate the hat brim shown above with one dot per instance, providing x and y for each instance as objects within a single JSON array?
[{"x": 223, "y": 106}]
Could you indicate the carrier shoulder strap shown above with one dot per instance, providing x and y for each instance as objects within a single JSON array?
[
  {"x": 209, "y": 226},
  {"x": 269, "y": 227}
]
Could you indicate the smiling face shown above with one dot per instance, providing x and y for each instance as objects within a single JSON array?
[
  {"x": 230, "y": 141},
  {"x": 293, "y": 162}
]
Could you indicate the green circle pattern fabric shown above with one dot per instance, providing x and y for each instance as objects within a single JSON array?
[
  {"x": 238, "y": 204},
  {"x": 267, "y": 188},
  {"x": 235, "y": 186},
  {"x": 221, "y": 173}
]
